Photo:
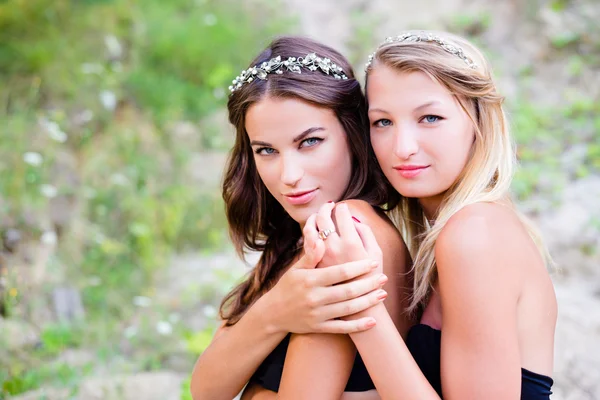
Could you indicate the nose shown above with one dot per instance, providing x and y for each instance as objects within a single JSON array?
[
  {"x": 291, "y": 171},
  {"x": 406, "y": 143}
]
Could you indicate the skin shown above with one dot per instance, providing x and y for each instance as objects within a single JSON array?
[
  {"x": 493, "y": 299},
  {"x": 299, "y": 147}
]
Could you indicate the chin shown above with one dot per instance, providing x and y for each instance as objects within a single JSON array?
[{"x": 417, "y": 191}]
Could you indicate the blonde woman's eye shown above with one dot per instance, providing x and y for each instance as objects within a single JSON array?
[
  {"x": 310, "y": 142},
  {"x": 381, "y": 123},
  {"x": 430, "y": 119}
]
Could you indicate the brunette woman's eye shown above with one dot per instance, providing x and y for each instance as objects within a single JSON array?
[
  {"x": 382, "y": 123},
  {"x": 310, "y": 142},
  {"x": 265, "y": 151}
]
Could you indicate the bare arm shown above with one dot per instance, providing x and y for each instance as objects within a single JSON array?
[
  {"x": 326, "y": 360},
  {"x": 293, "y": 305},
  {"x": 479, "y": 286}
]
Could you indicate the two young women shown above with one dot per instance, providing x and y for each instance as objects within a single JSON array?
[{"x": 306, "y": 186}]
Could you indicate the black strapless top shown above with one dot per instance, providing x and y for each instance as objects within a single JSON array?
[
  {"x": 268, "y": 375},
  {"x": 425, "y": 345}
]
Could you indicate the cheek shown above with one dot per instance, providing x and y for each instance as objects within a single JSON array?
[{"x": 267, "y": 171}]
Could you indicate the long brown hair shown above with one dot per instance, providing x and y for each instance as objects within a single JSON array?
[{"x": 256, "y": 219}]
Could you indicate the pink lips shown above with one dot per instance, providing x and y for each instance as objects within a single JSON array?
[
  {"x": 410, "y": 171},
  {"x": 299, "y": 198}
]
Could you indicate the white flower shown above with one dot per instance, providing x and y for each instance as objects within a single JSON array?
[
  {"x": 164, "y": 328},
  {"x": 210, "y": 19},
  {"x": 209, "y": 311},
  {"x": 114, "y": 47},
  {"x": 119, "y": 179},
  {"x": 48, "y": 191},
  {"x": 54, "y": 131},
  {"x": 130, "y": 331},
  {"x": 33, "y": 158},
  {"x": 108, "y": 100},
  {"x": 94, "y": 280},
  {"x": 142, "y": 301},
  {"x": 49, "y": 238},
  {"x": 91, "y": 68}
]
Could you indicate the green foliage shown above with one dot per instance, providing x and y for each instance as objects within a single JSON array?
[
  {"x": 89, "y": 89},
  {"x": 197, "y": 342}
]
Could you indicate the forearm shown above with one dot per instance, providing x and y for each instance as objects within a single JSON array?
[
  {"x": 317, "y": 366},
  {"x": 228, "y": 363},
  {"x": 389, "y": 362}
]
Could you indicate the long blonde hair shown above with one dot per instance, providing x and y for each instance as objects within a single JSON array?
[{"x": 488, "y": 173}]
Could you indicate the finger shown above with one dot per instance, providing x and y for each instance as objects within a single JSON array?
[
  {"x": 310, "y": 233},
  {"x": 324, "y": 220},
  {"x": 343, "y": 272},
  {"x": 345, "y": 224},
  {"x": 340, "y": 326},
  {"x": 353, "y": 289},
  {"x": 368, "y": 238},
  {"x": 349, "y": 307}
]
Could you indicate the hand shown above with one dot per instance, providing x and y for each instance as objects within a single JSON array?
[
  {"x": 308, "y": 299},
  {"x": 350, "y": 240}
]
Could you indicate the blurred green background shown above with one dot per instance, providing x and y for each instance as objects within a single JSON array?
[{"x": 114, "y": 252}]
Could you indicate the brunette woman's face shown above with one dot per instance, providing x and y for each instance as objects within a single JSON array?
[{"x": 301, "y": 154}]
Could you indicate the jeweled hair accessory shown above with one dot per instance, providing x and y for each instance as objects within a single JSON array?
[
  {"x": 411, "y": 37},
  {"x": 292, "y": 64}
]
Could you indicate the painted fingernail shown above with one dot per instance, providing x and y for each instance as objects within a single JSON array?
[
  {"x": 330, "y": 201},
  {"x": 382, "y": 295},
  {"x": 356, "y": 219},
  {"x": 382, "y": 279},
  {"x": 370, "y": 323}
]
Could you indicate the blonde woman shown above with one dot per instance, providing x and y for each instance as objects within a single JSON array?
[{"x": 482, "y": 293}]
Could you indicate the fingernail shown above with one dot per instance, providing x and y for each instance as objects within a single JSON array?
[
  {"x": 382, "y": 295},
  {"x": 382, "y": 279},
  {"x": 374, "y": 264},
  {"x": 370, "y": 323},
  {"x": 356, "y": 219},
  {"x": 330, "y": 201}
]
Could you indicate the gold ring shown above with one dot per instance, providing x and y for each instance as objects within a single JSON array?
[{"x": 325, "y": 233}]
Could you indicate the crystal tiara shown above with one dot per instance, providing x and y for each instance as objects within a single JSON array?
[
  {"x": 411, "y": 37},
  {"x": 292, "y": 64}
]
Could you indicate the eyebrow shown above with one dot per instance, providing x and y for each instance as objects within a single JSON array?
[
  {"x": 296, "y": 138},
  {"x": 425, "y": 105}
]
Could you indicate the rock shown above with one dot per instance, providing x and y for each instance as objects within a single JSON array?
[
  {"x": 67, "y": 304},
  {"x": 16, "y": 334},
  {"x": 160, "y": 385},
  {"x": 11, "y": 239},
  {"x": 577, "y": 341},
  {"x": 45, "y": 394}
]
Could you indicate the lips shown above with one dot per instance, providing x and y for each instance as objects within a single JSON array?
[
  {"x": 410, "y": 171},
  {"x": 300, "y": 197}
]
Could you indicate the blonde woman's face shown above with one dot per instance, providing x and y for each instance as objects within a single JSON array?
[
  {"x": 301, "y": 154},
  {"x": 421, "y": 135}
]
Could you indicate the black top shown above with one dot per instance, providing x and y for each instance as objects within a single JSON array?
[
  {"x": 268, "y": 375},
  {"x": 425, "y": 346}
]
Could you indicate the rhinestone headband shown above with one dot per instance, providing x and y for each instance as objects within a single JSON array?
[
  {"x": 292, "y": 64},
  {"x": 410, "y": 37}
]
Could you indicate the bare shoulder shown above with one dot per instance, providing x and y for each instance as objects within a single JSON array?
[
  {"x": 487, "y": 227},
  {"x": 485, "y": 241},
  {"x": 375, "y": 218}
]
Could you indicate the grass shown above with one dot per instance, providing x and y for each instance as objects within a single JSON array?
[{"x": 89, "y": 91}]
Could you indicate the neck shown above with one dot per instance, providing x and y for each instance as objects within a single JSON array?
[{"x": 431, "y": 206}]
